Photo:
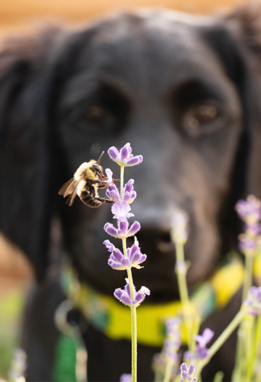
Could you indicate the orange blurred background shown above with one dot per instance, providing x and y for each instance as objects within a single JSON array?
[
  {"x": 20, "y": 16},
  {"x": 17, "y": 15}
]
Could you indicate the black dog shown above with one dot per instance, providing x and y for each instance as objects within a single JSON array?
[{"x": 185, "y": 92}]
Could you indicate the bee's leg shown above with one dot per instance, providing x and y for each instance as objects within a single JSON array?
[
  {"x": 103, "y": 185},
  {"x": 100, "y": 183},
  {"x": 104, "y": 200}
]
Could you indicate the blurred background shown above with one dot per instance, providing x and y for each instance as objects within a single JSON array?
[{"x": 22, "y": 16}]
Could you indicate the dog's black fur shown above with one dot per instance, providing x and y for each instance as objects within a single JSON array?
[{"x": 67, "y": 95}]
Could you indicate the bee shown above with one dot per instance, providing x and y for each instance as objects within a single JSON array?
[{"x": 86, "y": 182}]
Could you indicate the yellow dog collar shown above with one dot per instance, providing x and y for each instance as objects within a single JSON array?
[{"x": 113, "y": 318}]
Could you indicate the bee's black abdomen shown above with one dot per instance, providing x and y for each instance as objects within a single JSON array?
[{"x": 90, "y": 201}]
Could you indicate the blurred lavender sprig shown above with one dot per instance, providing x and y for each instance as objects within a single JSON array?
[
  {"x": 18, "y": 366},
  {"x": 250, "y": 212},
  {"x": 179, "y": 237},
  {"x": 252, "y": 304},
  {"x": 166, "y": 363}
]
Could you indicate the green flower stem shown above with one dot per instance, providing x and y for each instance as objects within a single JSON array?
[
  {"x": 238, "y": 370},
  {"x": 241, "y": 359},
  {"x": 248, "y": 276},
  {"x": 133, "y": 322},
  {"x": 133, "y": 344},
  {"x": 122, "y": 181},
  {"x": 133, "y": 308},
  {"x": 183, "y": 290},
  {"x": 168, "y": 371},
  {"x": 257, "y": 341},
  {"x": 221, "y": 339},
  {"x": 248, "y": 341}
]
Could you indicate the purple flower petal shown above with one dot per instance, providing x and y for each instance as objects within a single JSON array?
[
  {"x": 185, "y": 376},
  {"x": 125, "y": 299},
  {"x": 108, "y": 173},
  {"x": 201, "y": 352},
  {"x": 191, "y": 369},
  {"x": 117, "y": 254},
  {"x": 113, "y": 153},
  {"x": 112, "y": 192},
  {"x": 127, "y": 288},
  {"x": 125, "y": 152},
  {"x": 110, "y": 230},
  {"x": 205, "y": 338},
  {"x": 183, "y": 367},
  {"x": 118, "y": 293},
  {"x": 134, "y": 161},
  {"x": 121, "y": 210},
  {"x": 129, "y": 186},
  {"x": 126, "y": 262},
  {"x": 126, "y": 378},
  {"x": 134, "y": 228},
  {"x": 139, "y": 298},
  {"x": 123, "y": 226},
  {"x": 109, "y": 245}
]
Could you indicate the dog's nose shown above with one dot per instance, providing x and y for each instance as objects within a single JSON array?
[
  {"x": 164, "y": 242},
  {"x": 158, "y": 240},
  {"x": 156, "y": 226}
]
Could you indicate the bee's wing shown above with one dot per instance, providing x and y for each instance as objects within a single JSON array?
[
  {"x": 72, "y": 196},
  {"x": 68, "y": 187}
]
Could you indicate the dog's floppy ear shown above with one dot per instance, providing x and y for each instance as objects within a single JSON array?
[
  {"x": 245, "y": 25},
  {"x": 236, "y": 38},
  {"x": 25, "y": 176}
]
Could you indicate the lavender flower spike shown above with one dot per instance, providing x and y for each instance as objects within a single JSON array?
[
  {"x": 187, "y": 373},
  {"x": 249, "y": 210},
  {"x": 172, "y": 342},
  {"x": 124, "y": 295},
  {"x": 201, "y": 351},
  {"x": 126, "y": 378},
  {"x": 248, "y": 245},
  {"x": 123, "y": 230},
  {"x": 124, "y": 156},
  {"x": 252, "y": 305},
  {"x": 121, "y": 211},
  {"x": 179, "y": 233}
]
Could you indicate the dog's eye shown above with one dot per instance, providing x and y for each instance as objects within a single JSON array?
[
  {"x": 204, "y": 118},
  {"x": 96, "y": 114}
]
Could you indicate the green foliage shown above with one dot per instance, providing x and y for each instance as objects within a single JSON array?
[{"x": 10, "y": 307}]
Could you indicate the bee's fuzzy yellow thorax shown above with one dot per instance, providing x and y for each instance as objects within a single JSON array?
[
  {"x": 81, "y": 187},
  {"x": 85, "y": 167}
]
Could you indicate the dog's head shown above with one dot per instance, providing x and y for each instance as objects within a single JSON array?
[{"x": 183, "y": 90}]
